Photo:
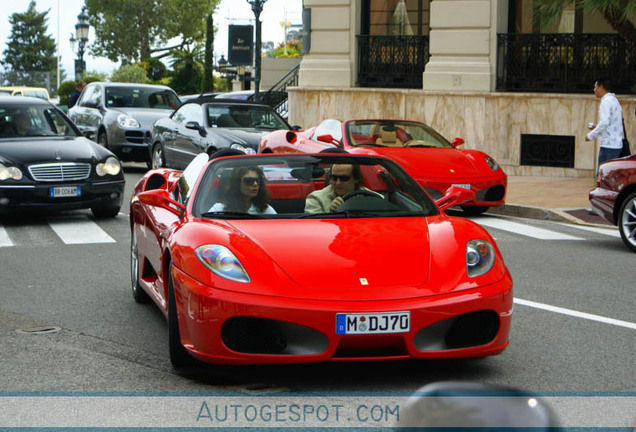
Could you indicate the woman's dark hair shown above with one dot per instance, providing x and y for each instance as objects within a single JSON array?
[{"x": 234, "y": 199}]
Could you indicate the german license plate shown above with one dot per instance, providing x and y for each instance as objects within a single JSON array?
[
  {"x": 373, "y": 323},
  {"x": 462, "y": 185},
  {"x": 65, "y": 191}
]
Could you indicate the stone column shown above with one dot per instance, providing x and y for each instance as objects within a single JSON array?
[
  {"x": 329, "y": 62},
  {"x": 463, "y": 41}
]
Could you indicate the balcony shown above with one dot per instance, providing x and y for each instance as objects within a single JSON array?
[
  {"x": 391, "y": 61},
  {"x": 564, "y": 62}
]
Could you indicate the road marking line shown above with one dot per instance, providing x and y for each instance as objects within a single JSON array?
[
  {"x": 5, "y": 240},
  {"x": 79, "y": 230},
  {"x": 612, "y": 232},
  {"x": 577, "y": 314},
  {"x": 524, "y": 230}
]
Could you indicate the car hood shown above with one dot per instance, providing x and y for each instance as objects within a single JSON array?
[
  {"x": 376, "y": 258},
  {"x": 145, "y": 116},
  {"x": 431, "y": 163},
  {"x": 247, "y": 136},
  {"x": 27, "y": 151}
]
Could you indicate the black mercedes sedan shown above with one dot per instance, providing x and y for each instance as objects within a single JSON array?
[
  {"x": 205, "y": 126},
  {"x": 46, "y": 163}
]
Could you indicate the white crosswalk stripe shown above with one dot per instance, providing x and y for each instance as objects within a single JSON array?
[
  {"x": 524, "y": 230},
  {"x": 79, "y": 230},
  {"x": 5, "y": 241}
]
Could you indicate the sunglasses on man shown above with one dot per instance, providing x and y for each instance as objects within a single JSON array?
[{"x": 342, "y": 178}]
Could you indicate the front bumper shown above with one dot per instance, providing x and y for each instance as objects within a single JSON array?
[
  {"x": 491, "y": 193},
  {"x": 129, "y": 144},
  {"x": 93, "y": 194},
  {"x": 226, "y": 327}
]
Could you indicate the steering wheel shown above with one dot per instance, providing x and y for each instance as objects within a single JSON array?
[{"x": 360, "y": 192}]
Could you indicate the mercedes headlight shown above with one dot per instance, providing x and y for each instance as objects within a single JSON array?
[
  {"x": 492, "y": 163},
  {"x": 10, "y": 172},
  {"x": 110, "y": 167},
  {"x": 125, "y": 121},
  {"x": 480, "y": 257},
  {"x": 222, "y": 262},
  {"x": 246, "y": 150}
]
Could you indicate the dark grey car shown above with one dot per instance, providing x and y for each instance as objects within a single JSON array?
[
  {"x": 119, "y": 116},
  {"x": 205, "y": 127}
]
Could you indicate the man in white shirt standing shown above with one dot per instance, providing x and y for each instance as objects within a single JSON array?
[{"x": 609, "y": 130}]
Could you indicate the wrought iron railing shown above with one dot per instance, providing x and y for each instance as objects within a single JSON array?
[
  {"x": 564, "y": 62},
  {"x": 277, "y": 96},
  {"x": 391, "y": 61}
]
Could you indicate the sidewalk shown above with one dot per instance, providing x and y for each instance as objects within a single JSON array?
[{"x": 562, "y": 199}]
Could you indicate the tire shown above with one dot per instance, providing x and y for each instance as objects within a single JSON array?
[
  {"x": 473, "y": 210},
  {"x": 101, "y": 212},
  {"x": 102, "y": 140},
  {"x": 627, "y": 222},
  {"x": 138, "y": 293},
  {"x": 158, "y": 159},
  {"x": 179, "y": 357}
]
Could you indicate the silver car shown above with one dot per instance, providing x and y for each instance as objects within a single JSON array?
[{"x": 119, "y": 116}]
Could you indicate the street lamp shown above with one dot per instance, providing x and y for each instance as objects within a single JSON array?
[
  {"x": 78, "y": 40},
  {"x": 223, "y": 70},
  {"x": 257, "y": 8}
]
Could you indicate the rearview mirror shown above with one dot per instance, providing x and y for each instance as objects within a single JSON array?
[
  {"x": 161, "y": 198},
  {"x": 454, "y": 195},
  {"x": 327, "y": 138},
  {"x": 457, "y": 142}
]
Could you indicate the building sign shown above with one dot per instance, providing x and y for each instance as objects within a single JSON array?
[{"x": 240, "y": 45}]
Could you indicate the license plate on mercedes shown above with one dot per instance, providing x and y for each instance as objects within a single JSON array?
[
  {"x": 373, "y": 323},
  {"x": 65, "y": 191}
]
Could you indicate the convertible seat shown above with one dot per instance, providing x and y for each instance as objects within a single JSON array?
[{"x": 388, "y": 137}]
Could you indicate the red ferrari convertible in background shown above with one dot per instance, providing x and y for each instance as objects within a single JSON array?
[
  {"x": 614, "y": 198},
  {"x": 384, "y": 275},
  {"x": 434, "y": 162}
]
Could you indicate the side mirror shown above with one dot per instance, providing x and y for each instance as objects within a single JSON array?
[
  {"x": 457, "y": 142},
  {"x": 454, "y": 195},
  {"x": 161, "y": 198},
  {"x": 90, "y": 104},
  {"x": 197, "y": 127},
  {"x": 327, "y": 138},
  {"x": 290, "y": 136}
]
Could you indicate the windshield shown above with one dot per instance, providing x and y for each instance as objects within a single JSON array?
[
  {"x": 33, "y": 120},
  {"x": 308, "y": 186},
  {"x": 244, "y": 117},
  {"x": 130, "y": 97},
  {"x": 393, "y": 133}
]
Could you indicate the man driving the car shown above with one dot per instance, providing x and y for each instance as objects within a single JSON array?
[{"x": 344, "y": 178}]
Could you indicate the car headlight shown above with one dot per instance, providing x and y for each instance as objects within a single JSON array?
[
  {"x": 110, "y": 167},
  {"x": 10, "y": 172},
  {"x": 222, "y": 262},
  {"x": 126, "y": 121},
  {"x": 480, "y": 257},
  {"x": 492, "y": 163},
  {"x": 239, "y": 147}
]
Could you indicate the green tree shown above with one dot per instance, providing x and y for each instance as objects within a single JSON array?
[
  {"x": 615, "y": 12},
  {"x": 29, "y": 58},
  {"x": 130, "y": 73},
  {"x": 208, "y": 70},
  {"x": 140, "y": 29},
  {"x": 188, "y": 70}
]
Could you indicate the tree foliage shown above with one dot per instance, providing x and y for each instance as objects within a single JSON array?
[
  {"x": 29, "y": 58},
  {"x": 130, "y": 73},
  {"x": 138, "y": 29},
  {"x": 617, "y": 13},
  {"x": 188, "y": 70}
]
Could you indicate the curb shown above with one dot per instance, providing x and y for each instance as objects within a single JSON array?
[{"x": 540, "y": 213}]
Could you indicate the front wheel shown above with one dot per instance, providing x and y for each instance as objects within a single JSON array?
[
  {"x": 105, "y": 211},
  {"x": 138, "y": 292},
  {"x": 102, "y": 140},
  {"x": 158, "y": 158},
  {"x": 473, "y": 210},
  {"x": 627, "y": 222},
  {"x": 179, "y": 357}
]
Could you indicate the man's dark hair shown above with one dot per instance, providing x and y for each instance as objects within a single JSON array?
[{"x": 604, "y": 81}]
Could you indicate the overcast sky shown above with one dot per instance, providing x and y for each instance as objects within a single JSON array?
[{"x": 228, "y": 12}]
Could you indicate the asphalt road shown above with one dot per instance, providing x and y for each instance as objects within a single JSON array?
[{"x": 68, "y": 322}]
